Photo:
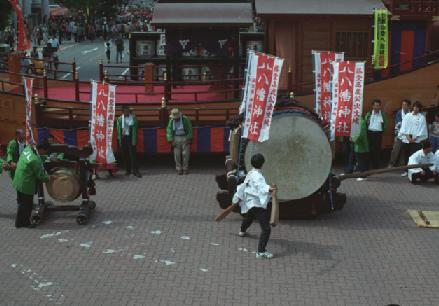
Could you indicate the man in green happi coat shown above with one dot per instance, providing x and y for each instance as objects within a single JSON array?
[{"x": 29, "y": 172}]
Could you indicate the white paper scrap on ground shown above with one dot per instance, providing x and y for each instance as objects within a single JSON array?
[
  {"x": 156, "y": 232},
  {"x": 138, "y": 256},
  {"x": 167, "y": 262},
  {"x": 109, "y": 251},
  {"x": 107, "y": 222},
  {"x": 242, "y": 249},
  {"x": 204, "y": 270},
  {"x": 86, "y": 245},
  {"x": 46, "y": 284},
  {"x": 45, "y": 236},
  {"x": 130, "y": 227},
  {"x": 185, "y": 238},
  {"x": 63, "y": 240},
  {"x": 214, "y": 244}
]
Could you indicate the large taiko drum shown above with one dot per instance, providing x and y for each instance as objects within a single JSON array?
[
  {"x": 298, "y": 156},
  {"x": 64, "y": 185}
]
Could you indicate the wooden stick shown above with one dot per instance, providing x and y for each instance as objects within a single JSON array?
[
  {"x": 225, "y": 213},
  {"x": 274, "y": 219},
  {"x": 381, "y": 171}
]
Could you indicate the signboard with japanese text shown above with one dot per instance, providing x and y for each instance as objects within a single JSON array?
[
  {"x": 260, "y": 95},
  {"x": 28, "y": 90},
  {"x": 347, "y": 98},
  {"x": 102, "y": 122},
  {"x": 381, "y": 39},
  {"x": 322, "y": 75}
]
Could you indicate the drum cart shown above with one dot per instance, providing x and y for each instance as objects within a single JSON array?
[{"x": 83, "y": 170}]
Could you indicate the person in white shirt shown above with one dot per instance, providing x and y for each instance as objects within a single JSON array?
[
  {"x": 423, "y": 156},
  {"x": 396, "y": 158},
  {"x": 376, "y": 123},
  {"x": 413, "y": 131},
  {"x": 253, "y": 196}
]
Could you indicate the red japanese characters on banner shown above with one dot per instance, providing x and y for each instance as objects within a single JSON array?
[
  {"x": 28, "y": 90},
  {"x": 102, "y": 122},
  {"x": 23, "y": 42},
  {"x": 322, "y": 74},
  {"x": 347, "y": 97},
  {"x": 261, "y": 93}
]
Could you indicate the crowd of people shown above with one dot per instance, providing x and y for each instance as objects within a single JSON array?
[{"x": 415, "y": 142}]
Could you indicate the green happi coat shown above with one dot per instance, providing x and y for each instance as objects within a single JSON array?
[
  {"x": 29, "y": 172},
  {"x": 133, "y": 131},
  {"x": 13, "y": 154},
  {"x": 187, "y": 128}
]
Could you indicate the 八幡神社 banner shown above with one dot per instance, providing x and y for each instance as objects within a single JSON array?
[
  {"x": 347, "y": 98},
  {"x": 260, "y": 95},
  {"x": 28, "y": 90},
  {"x": 322, "y": 74},
  {"x": 381, "y": 39},
  {"x": 102, "y": 122}
]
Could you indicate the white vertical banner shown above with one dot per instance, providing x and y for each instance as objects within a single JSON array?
[
  {"x": 358, "y": 91},
  {"x": 28, "y": 90},
  {"x": 250, "y": 56},
  {"x": 335, "y": 96}
]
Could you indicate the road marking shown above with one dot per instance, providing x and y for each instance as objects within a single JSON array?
[
  {"x": 65, "y": 76},
  {"x": 89, "y": 51},
  {"x": 62, "y": 48}
]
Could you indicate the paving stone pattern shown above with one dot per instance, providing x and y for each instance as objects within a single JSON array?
[{"x": 153, "y": 242}]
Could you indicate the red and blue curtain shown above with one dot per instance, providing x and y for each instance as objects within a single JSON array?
[
  {"x": 150, "y": 140},
  {"x": 407, "y": 48}
]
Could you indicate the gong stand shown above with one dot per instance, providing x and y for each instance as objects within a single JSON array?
[{"x": 85, "y": 168}]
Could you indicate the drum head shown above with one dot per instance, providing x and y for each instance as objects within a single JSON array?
[
  {"x": 64, "y": 186},
  {"x": 298, "y": 156}
]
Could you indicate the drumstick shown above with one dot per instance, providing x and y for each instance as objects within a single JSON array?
[
  {"x": 274, "y": 219},
  {"x": 225, "y": 213}
]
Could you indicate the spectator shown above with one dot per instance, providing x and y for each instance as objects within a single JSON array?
[
  {"x": 396, "y": 157},
  {"x": 413, "y": 131},
  {"x": 179, "y": 133},
  {"x": 361, "y": 148},
  {"x": 119, "y": 49},
  {"x": 127, "y": 126},
  {"x": 423, "y": 156},
  {"x": 376, "y": 122},
  {"x": 434, "y": 133},
  {"x": 108, "y": 51}
]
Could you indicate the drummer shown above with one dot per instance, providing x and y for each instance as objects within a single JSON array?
[
  {"x": 253, "y": 196},
  {"x": 28, "y": 173}
]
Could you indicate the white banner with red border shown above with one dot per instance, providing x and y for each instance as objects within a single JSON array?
[
  {"x": 322, "y": 75},
  {"x": 28, "y": 93},
  {"x": 347, "y": 98},
  {"x": 103, "y": 106},
  {"x": 260, "y": 95}
]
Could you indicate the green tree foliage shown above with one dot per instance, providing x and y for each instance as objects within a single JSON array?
[{"x": 5, "y": 11}]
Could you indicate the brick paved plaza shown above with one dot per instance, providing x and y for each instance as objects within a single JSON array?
[{"x": 153, "y": 242}]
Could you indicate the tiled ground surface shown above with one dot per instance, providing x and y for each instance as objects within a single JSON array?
[{"x": 162, "y": 248}]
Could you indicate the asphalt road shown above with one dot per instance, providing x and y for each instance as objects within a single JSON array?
[{"x": 87, "y": 56}]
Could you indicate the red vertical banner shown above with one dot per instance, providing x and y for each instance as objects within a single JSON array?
[
  {"x": 323, "y": 77},
  {"x": 262, "y": 94},
  {"x": 23, "y": 42},
  {"x": 28, "y": 89},
  {"x": 102, "y": 122},
  {"x": 347, "y": 98}
]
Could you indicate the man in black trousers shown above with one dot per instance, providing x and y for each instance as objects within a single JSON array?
[{"x": 376, "y": 123}]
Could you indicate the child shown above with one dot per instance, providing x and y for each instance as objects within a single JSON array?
[{"x": 253, "y": 196}]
